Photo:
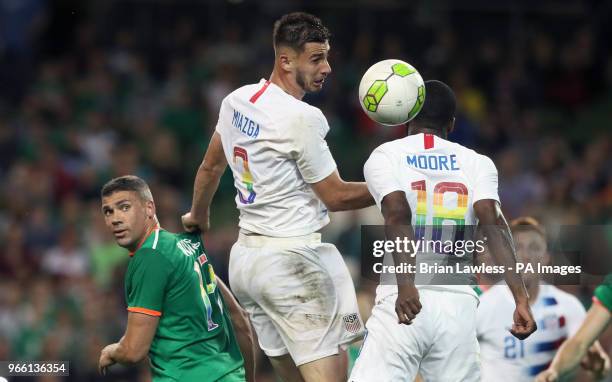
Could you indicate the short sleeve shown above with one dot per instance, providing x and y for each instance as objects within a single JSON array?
[
  {"x": 313, "y": 158},
  {"x": 148, "y": 279},
  {"x": 575, "y": 314},
  {"x": 379, "y": 176},
  {"x": 485, "y": 186}
]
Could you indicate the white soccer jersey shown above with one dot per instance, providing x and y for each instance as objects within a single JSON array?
[
  {"x": 275, "y": 146},
  {"x": 504, "y": 357},
  {"x": 441, "y": 179}
]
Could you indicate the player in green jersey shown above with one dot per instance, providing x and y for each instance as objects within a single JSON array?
[
  {"x": 574, "y": 349},
  {"x": 176, "y": 312}
]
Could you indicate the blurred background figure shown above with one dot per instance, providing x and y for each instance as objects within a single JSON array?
[{"x": 558, "y": 315}]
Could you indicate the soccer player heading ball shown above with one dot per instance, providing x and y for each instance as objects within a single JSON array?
[
  {"x": 176, "y": 312},
  {"x": 431, "y": 329},
  {"x": 297, "y": 290}
]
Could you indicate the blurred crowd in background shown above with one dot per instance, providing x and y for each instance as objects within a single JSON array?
[{"x": 94, "y": 90}]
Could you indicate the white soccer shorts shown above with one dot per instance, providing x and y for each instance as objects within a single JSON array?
[
  {"x": 440, "y": 344},
  {"x": 298, "y": 293}
]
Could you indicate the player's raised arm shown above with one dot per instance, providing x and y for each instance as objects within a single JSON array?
[
  {"x": 206, "y": 183},
  {"x": 339, "y": 195},
  {"x": 499, "y": 240}
]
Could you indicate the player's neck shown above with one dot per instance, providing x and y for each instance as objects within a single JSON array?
[
  {"x": 284, "y": 82},
  {"x": 413, "y": 130},
  {"x": 150, "y": 226}
]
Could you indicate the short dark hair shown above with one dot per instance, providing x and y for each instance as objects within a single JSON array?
[
  {"x": 298, "y": 28},
  {"x": 127, "y": 183},
  {"x": 527, "y": 224},
  {"x": 439, "y": 108}
]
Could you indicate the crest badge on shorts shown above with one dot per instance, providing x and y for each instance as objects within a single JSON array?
[{"x": 352, "y": 323}]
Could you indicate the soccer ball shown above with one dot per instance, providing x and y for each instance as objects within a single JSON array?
[{"x": 392, "y": 92}]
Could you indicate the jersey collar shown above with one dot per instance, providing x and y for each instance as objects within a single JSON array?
[{"x": 149, "y": 232}]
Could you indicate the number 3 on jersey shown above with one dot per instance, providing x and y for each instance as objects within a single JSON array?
[
  {"x": 440, "y": 212},
  {"x": 247, "y": 178}
]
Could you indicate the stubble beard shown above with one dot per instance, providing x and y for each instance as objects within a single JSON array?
[{"x": 300, "y": 79}]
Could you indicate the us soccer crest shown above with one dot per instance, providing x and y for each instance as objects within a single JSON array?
[{"x": 352, "y": 323}]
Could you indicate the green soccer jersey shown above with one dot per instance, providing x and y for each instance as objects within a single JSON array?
[
  {"x": 604, "y": 292},
  {"x": 169, "y": 276}
]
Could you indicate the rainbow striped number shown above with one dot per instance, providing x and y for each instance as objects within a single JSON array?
[
  {"x": 247, "y": 178},
  {"x": 440, "y": 212},
  {"x": 205, "y": 290}
]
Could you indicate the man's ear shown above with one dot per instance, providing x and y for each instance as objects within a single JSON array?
[
  {"x": 451, "y": 126},
  {"x": 286, "y": 59},
  {"x": 150, "y": 209},
  {"x": 285, "y": 63}
]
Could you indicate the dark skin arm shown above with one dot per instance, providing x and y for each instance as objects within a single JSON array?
[
  {"x": 242, "y": 328},
  {"x": 499, "y": 240},
  {"x": 135, "y": 343},
  {"x": 398, "y": 219}
]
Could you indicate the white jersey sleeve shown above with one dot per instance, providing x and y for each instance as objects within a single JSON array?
[
  {"x": 379, "y": 176},
  {"x": 485, "y": 186},
  {"x": 312, "y": 155},
  {"x": 223, "y": 109}
]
